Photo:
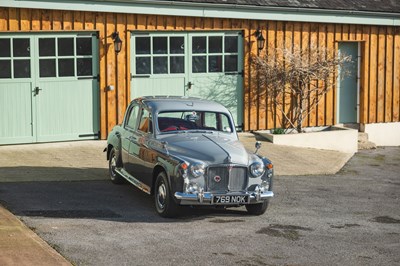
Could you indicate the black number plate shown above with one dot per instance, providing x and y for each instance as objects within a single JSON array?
[{"x": 230, "y": 199}]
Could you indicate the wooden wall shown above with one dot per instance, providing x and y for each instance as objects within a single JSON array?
[{"x": 380, "y": 67}]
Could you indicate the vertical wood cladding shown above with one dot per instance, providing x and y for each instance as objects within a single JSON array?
[{"x": 380, "y": 59}]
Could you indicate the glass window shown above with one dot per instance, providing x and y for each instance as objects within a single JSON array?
[
  {"x": 65, "y": 46},
  {"x": 231, "y": 63},
  {"x": 215, "y": 63},
  {"x": 177, "y": 64},
  {"x": 66, "y": 67},
  {"x": 199, "y": 45},
  {"x": 47, "y": 47},
  {"x": 160, "y": 65},
  {"x": 131, "y": 123},
  {"x": 160, "y": 45},
  {"x": 231, "y": 44},
  {"x": 84, "y": 46},
  {"x": 145, "y": 124},
  {"x": 84, "y": 66},
  {"x": 5, "y": 69},
  {"x": 22, "y": 68},
  {"x": 210, "y": 120},
  {"x": 143, "y": 65},
  {"x": 21, "y": 47},
  {"x": 5, "y": 50},
  {"x": 47, "y": 68},
  {"x": 199, "y": 64},
  {"x": 176, "y": 45},
  {"x": 142, "y": 45},
  {"x": 215, "y": 44}
]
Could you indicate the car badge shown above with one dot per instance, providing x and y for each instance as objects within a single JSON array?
[{"x": 217, "y": 178}]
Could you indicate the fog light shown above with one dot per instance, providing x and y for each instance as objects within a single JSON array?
[
  {"x": 264, "y": 186},
  {"x": 192, "y": 188}
]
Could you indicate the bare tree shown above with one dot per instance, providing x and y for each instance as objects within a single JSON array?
[{"x": 297, "y": 79}]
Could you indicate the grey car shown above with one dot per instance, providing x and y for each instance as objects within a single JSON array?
[{"x": 185, "y": 151}]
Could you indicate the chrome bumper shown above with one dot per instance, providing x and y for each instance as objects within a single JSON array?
[{"x": 205, "y": 198}]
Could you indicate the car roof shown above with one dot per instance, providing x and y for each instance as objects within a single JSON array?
[{"x": 171, "y": 103}]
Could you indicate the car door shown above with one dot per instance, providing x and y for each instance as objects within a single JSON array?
[
  {"x": 141, "y": 157},
  {"x": 129, "y": 134}
]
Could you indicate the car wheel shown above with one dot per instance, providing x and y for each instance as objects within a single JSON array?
[
  {"x": 257, "y": 209},
  {"x": 112, "y": 165},
  {"x": 165, "y": 204}
]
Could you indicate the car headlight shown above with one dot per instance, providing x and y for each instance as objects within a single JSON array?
[
  {"x": 257, "y": 169},
  {"x": 197, "y": 169}
]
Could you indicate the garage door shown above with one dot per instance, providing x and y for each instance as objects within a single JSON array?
[
  {"x": 208, "y": 65},
  {"x": 48, "y": 88}
]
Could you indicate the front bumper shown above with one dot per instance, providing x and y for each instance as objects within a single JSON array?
[{"x": 205, "y": 198}]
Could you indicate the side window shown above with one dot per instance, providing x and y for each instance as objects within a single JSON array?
[
  {"x": 145, "y": 124},
  {"x": 132, "y": 119},
  {"x": 226, "y": 126}
]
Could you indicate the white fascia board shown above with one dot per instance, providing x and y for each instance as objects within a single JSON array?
[{"x": 216, "y": 11}]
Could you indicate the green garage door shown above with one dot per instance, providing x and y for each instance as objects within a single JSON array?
[
  {"x": 48, "y": 88},
  {"x": 208, "y": 65}
]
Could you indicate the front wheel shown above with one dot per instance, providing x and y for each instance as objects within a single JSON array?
[
  {"x": 112, "y": 165},
  {"x": 257, "y": 209},
  {"x": 165, "y": 204}
]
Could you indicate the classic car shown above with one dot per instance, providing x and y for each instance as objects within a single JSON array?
[{"x": 185, "y": 151}]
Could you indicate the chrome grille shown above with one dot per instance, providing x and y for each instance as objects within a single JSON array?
[{"x": 232, "y": 178}]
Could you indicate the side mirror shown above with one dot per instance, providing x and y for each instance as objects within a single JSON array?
[{"x": 258, "y": 146}]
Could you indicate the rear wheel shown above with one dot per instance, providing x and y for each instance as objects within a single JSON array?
[
  {"x": 164, "y": 202},
  {"x": 112, "y": 165},
  {"x": 257, "y": 209}
]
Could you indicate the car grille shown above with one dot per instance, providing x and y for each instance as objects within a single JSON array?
[{"x": 230, "y": 178}]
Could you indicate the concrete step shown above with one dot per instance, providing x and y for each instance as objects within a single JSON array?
[{"x": 364, "y": 143}]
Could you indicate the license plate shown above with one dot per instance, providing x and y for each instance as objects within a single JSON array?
[{"x": 230, "y": 199}]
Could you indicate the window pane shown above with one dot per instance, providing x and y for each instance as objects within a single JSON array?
[
  {"x": 145, "y": 123},
  {"x": 21, "y": 47},
  {"x": 5, "y": 50},
  {"x": 47, "y": 68},
  {"x": 5, "y": 69},
  {"x": 142, "y": 45},
  {"x": 22, "y": 68},
  {"x": 176, "y": 45},
  {"x": 177, "y": 64},
  {"x": 84, "y": 46},
  {"x": 84, "y": 66},
  {"x": 199, "y": 64},
  {"x": 66, "y": 67},
  {"x": 143, "y": 65},
  {"x": 199, "y": 45},
  {"x": 160, "y": 65},
  {"x": 65, "y": 46},
  {"x": 133, "y": 117},
  {"x": 160, "y": 45},
  {"x": 231, "y": 63},
  {"x": 231, "y": 44},
  {"x": 215, "y": 63},
  {"x": 215, "y": 44},
  {"x": 47, "y": 47}
]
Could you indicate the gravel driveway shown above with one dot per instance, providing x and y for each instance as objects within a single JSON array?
[{"x": 351, "y": 218}]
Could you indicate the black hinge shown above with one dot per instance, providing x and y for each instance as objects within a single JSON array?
[
  {"x": 98, "y": 77},
  {"x": 139, "y": 76}
]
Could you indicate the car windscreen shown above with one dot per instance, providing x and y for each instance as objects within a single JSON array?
[{"x": 194, "y": 121}]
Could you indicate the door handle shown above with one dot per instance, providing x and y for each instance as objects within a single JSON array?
[
  {"x": 189, "y": 85},
  {"x": 36, "y": 91}
]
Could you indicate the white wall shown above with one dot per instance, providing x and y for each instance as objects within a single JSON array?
[{"x": 383, "y": 134}]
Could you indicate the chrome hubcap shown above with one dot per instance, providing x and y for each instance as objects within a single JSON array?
[
  {"x": 113, "y": 165},
  {"x": 161, "y": 196}
]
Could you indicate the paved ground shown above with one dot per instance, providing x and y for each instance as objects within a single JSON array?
[{"x": 350, "y": 218}]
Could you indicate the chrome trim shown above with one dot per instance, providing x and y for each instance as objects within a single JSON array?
[
  {"x": 143, "y": 187},
  {"x": 205, "y": 198}
]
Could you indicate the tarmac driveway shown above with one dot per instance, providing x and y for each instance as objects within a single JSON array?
[{"x": 351, "y": 218}]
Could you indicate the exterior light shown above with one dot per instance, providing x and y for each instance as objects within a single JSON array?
[
  {"x": 260, "y": 40},
  {"x": 117, "y": 42}
]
